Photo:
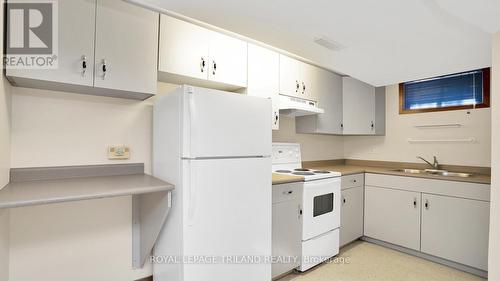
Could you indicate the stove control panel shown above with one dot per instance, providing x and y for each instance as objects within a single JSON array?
[{"x": 286, "y": 153}]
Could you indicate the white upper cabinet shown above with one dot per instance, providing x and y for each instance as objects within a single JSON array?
[
  {"x": 183, "y": 48},
  {"x": 76, "y": 47},
  {"x": 124, "y": 39},
  {"x": 312, "y": 81},
  {"x": 126, "y": 47},
  {"x": 328, "y": 87},
  {"x": 191, "y": 54},
  {"x": 228, "y": 60},
  {"x": 263, "y": 78},
  {"x": 289, "y": 77},
  {"x": 299, "y": 79},
  {"x": 359, "y": 107}
]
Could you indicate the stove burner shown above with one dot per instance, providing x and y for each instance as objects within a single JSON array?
[
  {"x": 303, "y": 173},
  {"x": 302, "y": 170},
  {"x": 321, "y": 172},
  {"x": 283, "y": 171}
]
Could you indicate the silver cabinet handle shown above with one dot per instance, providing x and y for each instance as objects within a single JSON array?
[
  {"x": 297, "y": 86},
  {"x": 84, "y": 65},
  {"x": 303, "y": 88},
  {"x": 202, "y": 64},
  {"x": 427, "y": 205},
  {"x": 300, "y": 211},
  {"x": 214, "y": 67},
  {"x": 104, "y": 69},
  {"x": 415, "y": 203},
  {"x": 288, "y": 192},
  {"x": 373, "y": 126},
  {"x": 276, "y": 118},
  {"x": 344, "y": 200}
]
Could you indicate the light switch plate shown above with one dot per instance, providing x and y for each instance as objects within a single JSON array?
[{"x": 118, "y": 152}]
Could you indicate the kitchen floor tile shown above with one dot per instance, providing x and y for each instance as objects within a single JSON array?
[{"x": 365, "y": 261}]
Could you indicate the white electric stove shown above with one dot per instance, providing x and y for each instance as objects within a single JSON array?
[{"x": 320, "y": 205}]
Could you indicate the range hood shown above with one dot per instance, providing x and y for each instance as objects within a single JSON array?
[{"x": 293, "y": 107}]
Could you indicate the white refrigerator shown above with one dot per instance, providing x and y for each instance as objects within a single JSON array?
[{"x": 215, "y": 147}]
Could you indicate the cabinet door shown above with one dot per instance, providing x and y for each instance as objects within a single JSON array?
[
  {"x": 228, "y": 60},
  {"x": 351, "y": 215},
  {"x": 183, "y": 48},
  {"x": 456, "y": 229},
  {"x": 263, "y": 78},
  {"x": 286, "y": 232},
  {"x": 289, "y": 77},
  {"x": 310, "y": 81},
  {"x": 393, "y": 216},
  {"x": 126, "y": 45},
  {"x": 329, "y": 96},
  {"x": 75, "y": 42},
  {"x": 359, "y": 107}
]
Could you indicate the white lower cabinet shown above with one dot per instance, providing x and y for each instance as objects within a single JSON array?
[
  {"x": 393, "y": 216},
  {"x": 456, "y": 229},
  {"x": 286, "y": 227},
  {"x": 444, "y": 219},
  {"x": 351, "y": 215}
]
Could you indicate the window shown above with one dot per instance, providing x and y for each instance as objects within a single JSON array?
[{"x": 464, "y": 90}]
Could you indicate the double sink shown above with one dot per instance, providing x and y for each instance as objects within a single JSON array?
[{"x": 435, "y": 172}]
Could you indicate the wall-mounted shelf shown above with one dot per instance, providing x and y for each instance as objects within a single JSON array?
[
  {"x": 438, "y": 126},
  {"x": 151, "y": 198},
  {"x": 465, "y": 140}
]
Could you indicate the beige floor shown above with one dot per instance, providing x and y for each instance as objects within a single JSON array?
[{"x": 369, "y": 262}]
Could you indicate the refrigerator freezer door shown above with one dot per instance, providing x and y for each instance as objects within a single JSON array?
[
  {"x": 227, "y": 207},
  {"x": 222, "y": 124}
]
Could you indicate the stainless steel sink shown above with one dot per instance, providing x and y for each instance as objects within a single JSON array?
[
  {"x": 435, "y": 172},
  {"x": 411, "y": 171},
  {"x": 454, "y": 174}
]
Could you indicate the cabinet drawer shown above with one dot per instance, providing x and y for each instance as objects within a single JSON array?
[
  {"x": 452, "y": 188},
  {"x": 286, "y": 192},
  {"x": 350, "y": 181}
]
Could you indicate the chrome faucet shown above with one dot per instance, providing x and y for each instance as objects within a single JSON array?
[{"x": 434, "y": 165}]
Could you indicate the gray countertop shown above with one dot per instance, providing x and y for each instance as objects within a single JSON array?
[{"x": 27, "y": 193}]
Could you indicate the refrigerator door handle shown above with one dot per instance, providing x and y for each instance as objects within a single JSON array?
[
  {"x": 192, "y": 193},
  {"x": 192, "y": 122}
]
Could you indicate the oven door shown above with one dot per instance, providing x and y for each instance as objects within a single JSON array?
[{"x": 321, "y": 207}]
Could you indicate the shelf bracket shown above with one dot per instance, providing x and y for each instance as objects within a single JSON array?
[{"x": 149, "y": 212}]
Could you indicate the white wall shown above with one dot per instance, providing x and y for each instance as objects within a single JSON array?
[
  {"x": 313, "y": 147},
  {"x": 58, "y": 129},
  {"x": 4, "y": 164},
  {"x": 5, "y": 101},
  {"x": 78, "y": 241},
  {"x": 89, "y": 240},
  {"x": 4, "y": 245},
  {"x": 494, "y": 251},
  {"x": 4, "y": 120},
  {"x": 395, "y": 147}
]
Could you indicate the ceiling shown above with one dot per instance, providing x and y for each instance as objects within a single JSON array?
[{"x": 383, "y": 41}]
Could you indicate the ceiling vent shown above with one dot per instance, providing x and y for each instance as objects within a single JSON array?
[{"x": 328, "y": 43}]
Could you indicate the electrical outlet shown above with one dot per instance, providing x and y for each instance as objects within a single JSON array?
[{"x": 118, "y": 152}]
